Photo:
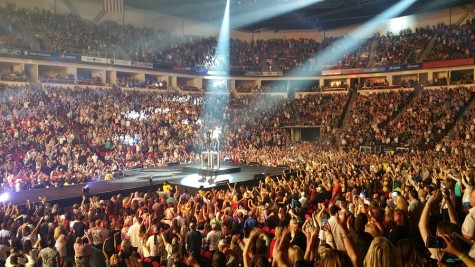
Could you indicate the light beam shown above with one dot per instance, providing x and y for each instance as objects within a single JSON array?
[{"x": 350, "y": 42}]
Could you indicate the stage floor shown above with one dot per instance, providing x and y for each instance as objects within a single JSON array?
[{"x": 138, "y": 180}]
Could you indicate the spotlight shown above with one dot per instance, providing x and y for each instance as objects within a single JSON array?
[
  {"x": 4, "y": 197},
  {"x": 85, "y": 189}
]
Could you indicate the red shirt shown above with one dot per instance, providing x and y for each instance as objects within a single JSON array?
[{"x": 336, "y": 191}]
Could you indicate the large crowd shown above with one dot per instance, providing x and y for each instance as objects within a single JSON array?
[
  {"x": 335, "y": 206},
  {"x": 43, "y": 30},
  {"x": 114, "y": 130},
  {"x": 57, "y": 138}
]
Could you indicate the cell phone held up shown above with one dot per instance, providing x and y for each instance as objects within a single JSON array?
[
  {"x": 324, "y": 221},
  {"x": 435, "y": 242}
]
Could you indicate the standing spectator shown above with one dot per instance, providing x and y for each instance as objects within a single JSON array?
[
  {"x": 3, "y": 254},
  {"x": 193, "y": 242},
  {"x": 153, "y": 244},
  {"x": 79, "y": 227},
  {"x": 213, "y": 237},
  {"x": 50, "y": 257},
  {"x": 98, "y": 234},
  {"x": 468, "y": 226},
  {"x": 333, "y": 222},
  {"x": 5, "y": 235},
  {"x": 134, "y": 233},
  {"x": 61, "y": 241},
  {"x": 82, "y": 251},
  {"x": 250, "y": 223},
  {"x": 16, "y": 257},
  {"x": 415, "y": 206},
  {"x": 298, "y": 237}
]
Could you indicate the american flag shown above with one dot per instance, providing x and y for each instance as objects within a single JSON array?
[{"x": 114, "y": 6}]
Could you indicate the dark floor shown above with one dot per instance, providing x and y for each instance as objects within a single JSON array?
[{"x": 139, "y": 180}]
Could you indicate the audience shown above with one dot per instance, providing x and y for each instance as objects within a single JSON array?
[
  {"x": 69, "y": 34},
  {"x": 336, "y": 206}
]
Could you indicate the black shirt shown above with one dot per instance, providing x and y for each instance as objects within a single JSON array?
[
  {"x": 79, "y": 228},
  {"x": 194, "y": 242},
  {"x": 300, "y": 240}
]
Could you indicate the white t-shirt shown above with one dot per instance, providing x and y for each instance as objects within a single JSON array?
[
  {"x": 153, "y": 248},
  {"x": 133, "y": 234},
  {"x": 468, "y": 226}
]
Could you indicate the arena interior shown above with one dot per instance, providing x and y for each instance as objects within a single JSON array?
[{"x": 233, "y": 133}]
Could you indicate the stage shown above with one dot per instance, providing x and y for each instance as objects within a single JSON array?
[{"x": 139, "y": 180}]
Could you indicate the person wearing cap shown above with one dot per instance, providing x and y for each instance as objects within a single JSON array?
[
  {"x": 213, "y": 237},
  {"x": 193, "y": 242}
]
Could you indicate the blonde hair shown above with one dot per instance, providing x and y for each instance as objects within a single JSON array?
[
  {"x": 335, "y": 258},
  {"x": 389, "y": 214},
  {"x": 381, "y": 253},
  {"x": 57, "y": 232},
  {"x": 278, "y": 231},
  {"x": 401, "y": 203},
  {"x": 423, "y": 193},
  {"x": 145, "y": 238},
  {"x": 125, "y": 245},
  {"x": 295, "y": 254}
]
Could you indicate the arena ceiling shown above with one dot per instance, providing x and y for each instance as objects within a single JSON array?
[{"x": 324, "y": 15}]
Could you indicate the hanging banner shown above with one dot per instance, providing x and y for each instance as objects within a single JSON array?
[
  {"x": 119, "y": 62},
  {"x": 66, "y": 57},
  {"x": 94, "y": 59},
  {"x": 142, "y": 65},
  {"x": 264, "y": 73}
]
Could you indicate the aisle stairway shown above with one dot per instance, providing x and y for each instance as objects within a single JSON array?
[
  {"x": 427, "y": 50},
  {"x": 295, "y": 110},
  {"x": 346, "y": 110},
  {"x": 458, "y": 116},
  {"x": 411, "y": 58},
  {"x": 414, "y": 94},
  {"x": 372, "y": 52}
]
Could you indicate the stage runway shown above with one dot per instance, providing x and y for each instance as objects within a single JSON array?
[{"x": 138, "y": 180}]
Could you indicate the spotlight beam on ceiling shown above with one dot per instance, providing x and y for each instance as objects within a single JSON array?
[
  {"x": 263, "y": 10},
  {"x": 259, "y": 11},
  {"x": 222, "y": 49},
  {"x": 331, "y": 55}
]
